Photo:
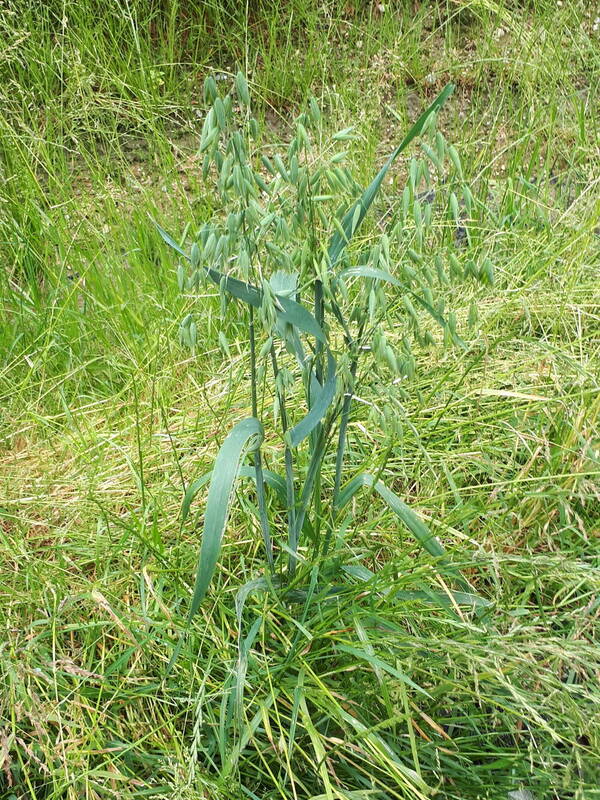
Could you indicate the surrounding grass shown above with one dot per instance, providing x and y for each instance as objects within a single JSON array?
[{"x": 104, "y": 419}]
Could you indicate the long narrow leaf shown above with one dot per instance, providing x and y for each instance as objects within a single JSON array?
[
  {"x": 435, "y": 598},
  {"x": 314, "y": 465},
  {"x": 319, "y": 406},
  {"x": 353, "y": 219},
  {"x": 363, "y": 573},
  {"x": 272, "y": 479},
  {"x": 364, "y": 271},
  {"x": 244, "y": 646},
  {"x": 234, "y": 754},
  {"x": 246, "y": 435},
  {"x": 417, "y": 527},
  {"x": 376, "y": 747},
  {"x": 255, "y": 585},
  {"x": 380, "y": 665},
  {"x": 288, "y": 310},
  {"x": 358, "y": 794},
  {"x": 170, "y": 240},
  {"x": 295, "y": 314},
  {"x": 191, "y": 493}
]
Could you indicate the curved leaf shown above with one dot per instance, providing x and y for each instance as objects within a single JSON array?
[
  {"x": 363, "y": 573},
  {"x": 169, "y": 240},
  {"x": 288, "y": 310},
  {"x": 354, "y": 217},
  {"x": 246, "y": 435},
  {"x": 191, "y": 492},
  {"x": 244, "y": 646},
  {"x": 284, "y": 284},
  {"x": 417, "y": 527},
  {"x": 319, "y": 406},
  {"x": 443, "y": 599},
  {"x": 255, "y": 585},
  {"x": 379, "y": 665},
  {"x": 272, "y": 479},
  {"x": 295, "y": 314},
  {"x": 365, "y": 271}
]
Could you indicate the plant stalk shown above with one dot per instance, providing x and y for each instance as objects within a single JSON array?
[
  {"x": 260, "y": 482},
  {"x": 289, "y": 465},
  {"x": 339, "y": 456}
]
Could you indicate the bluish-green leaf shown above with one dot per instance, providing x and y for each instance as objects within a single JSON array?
[
  {"x": 441, "y": 598},
  {"x": 363, "y": 573},
  {"x": 426, "y": 595},
  {"x": 255, "y": 585},
  {"x": 297, "y": 315},
  {"x": 319, "y": 406},
  {"x": 191, "y": 492},
  {"x": 354, "y": 217},
  {"x": 288, "y": 310},
  {"x": 365, "y": 271},
  {"x": 284, "y": 284},
  {"x": 245, "y": 436},
  {"x": 358, "y": 794},
  {"x": 244, "y": 646},
  {"x": 417, "y": 527},
  {"x": 169, "y": 240},
  {"x": 272, "y": 479}
]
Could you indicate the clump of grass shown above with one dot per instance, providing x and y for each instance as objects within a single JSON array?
[
  {"x": 265, "y": 250},
  {"x": 103, "y": 416},
  {"x": 327, "y": 615}
]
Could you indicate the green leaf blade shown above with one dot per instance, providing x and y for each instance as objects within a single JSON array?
[
  {"x": 365, "y": 271},
  {"x": 379, "y": 664},
  {"x": 416, "y": 526},
  {"x": 170, "y": 240},
  {"x": 246, "y": 435},
  {"x": 356, "y": 214},
  {"x": 319, "y": 408},
  {"x": 288, "y": 310}
]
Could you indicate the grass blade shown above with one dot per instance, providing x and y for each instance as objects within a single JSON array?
[
  {"x": 295, "y": 314},
  {"x": 191, "y": 493},
  {"x": 272, "y": 479},
  {"x": 288, "y": 310},
  {"x": 302, "y": 522},
  {"x": 170, "y": 240},
  {"x": 362, "y": 573},
  {"x": 319, "y": 407},
  {"x": 382, "y": 666},
  {"x": 365, "y": 271},
  {"x": 417, "y": 527},
  {"x": 353, "y": 219},
  {"x": 246, "y": 435}
]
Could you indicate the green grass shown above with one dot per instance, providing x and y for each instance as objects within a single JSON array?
[{"x": 104, "y": 418}]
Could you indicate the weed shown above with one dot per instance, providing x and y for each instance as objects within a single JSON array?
[{"x": 104, "y": 415}]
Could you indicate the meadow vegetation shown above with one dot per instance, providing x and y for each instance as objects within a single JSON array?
[{"x": 435, "y": 638}]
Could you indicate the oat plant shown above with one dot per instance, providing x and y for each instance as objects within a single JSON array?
[{"x": 293, "y": 246}]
